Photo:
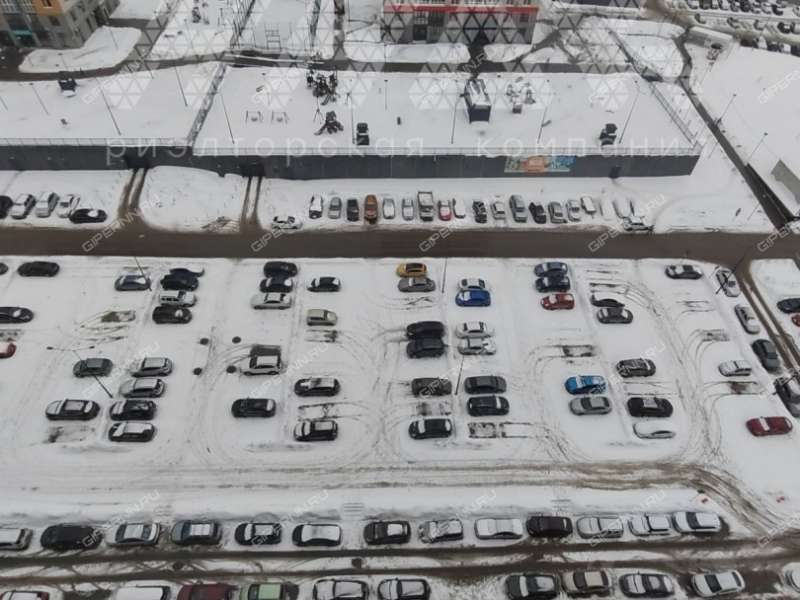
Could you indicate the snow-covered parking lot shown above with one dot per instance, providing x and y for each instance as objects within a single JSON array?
[{"x": 683, "y": 326}]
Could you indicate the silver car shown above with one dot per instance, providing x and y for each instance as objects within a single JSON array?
[
  {"x": 388, "y": 207},
  {"x": 590, "y": 405},
  {"x": 320, "y": 317},
  {"x": 735, "y": 368},
  {"x": 574, "y": 210},
  {"x": 407, "y": 208},
  {"x": 416, "y": 284},
  {"x": 600, "y": 527},
  {"x": 556, "y": 210},
  {"x": 498, "y": 210},
  {"x": 747, "y": 318},
  {"x": 728, "y": 283},
  {"x": 476, "y": 346},
  {"x": 271, "y": 300}
]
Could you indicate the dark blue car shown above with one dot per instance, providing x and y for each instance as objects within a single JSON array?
[{"x": 473, "y": 298}]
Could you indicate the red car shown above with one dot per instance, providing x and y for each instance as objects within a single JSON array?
[
  {"x": 762, "y": 426},
  {"x": 7, "y": 349},
  {"x": 207, "y": 591},
  {"x": 445, "y": 210},
  {"x": 558, "y": 302},
  {"x": 796, "y": 319}
]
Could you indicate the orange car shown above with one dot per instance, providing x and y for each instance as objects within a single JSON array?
[{"x": 371, "y": 209}]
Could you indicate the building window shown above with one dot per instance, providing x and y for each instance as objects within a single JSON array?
[
  {"x": 420, "y": 18},
  {"x": 55, "y": 22},
  {"x": 47, "y": 3},
  {"x": 436, "y": 19}
]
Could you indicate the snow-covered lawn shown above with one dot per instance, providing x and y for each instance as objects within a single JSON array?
[
  {"x": 198, "y": 439},
  {"x": 364, "y": 44},
  {"x": 192, "y": 200},
  {"x": 140, "y": 9},
  {"x": 97, "y": 189},
  {"x": 777, "y": 280},
  {"x": 106, "y": 47}
]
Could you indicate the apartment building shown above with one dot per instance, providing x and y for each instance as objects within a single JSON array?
[{"x": 51, "y": 23}]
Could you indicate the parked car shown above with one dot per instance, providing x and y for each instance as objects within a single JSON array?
[
  {"x": 177, "y": 298},
  {"x": 38, "y": 268},
  {"x": 72, "y": 410},
  {"x": 133, "y": 410},
  {"x": 272, "y": 300},
  {"x": 325, "y": 284},
  {"x": 207, "y": 591},
  {"x": 5, "y": 206},
  {"x": 425, "y": 348},
  {"x": 476, "y": 346},
  {"x": 316, "y": 430},
  {"x": 412, "y": 269},
  {"x": 274, "y": 268},
  {"x": 548, "y": 526},
  {"x": 404, "y": 589},
  {"x": 268, "y": 590},
  {"x": 179, "y": 282},
  {"x": 444, "y": 530},
  {"x": 485, "y": 384},
  {"x": 7, "y": 349},
  {"x": 518, "y": 211},
  {"x": 92, "y": 367},
  {"x": 473, "y": 298},
  {"x": 586, "y": 583},
  {"x": 727, "y": 282},
  {"x": 605, "y": 302},
  {"x": 650, "y": 525},
  {"x": 286, "y": 223},
  {"x": 646, "y": 585},
  {"x": 474, "y": 329},
  {"x": 600, "y": 527},
  {"x": 573, "y": 210},
  {"x": 649, "y": 406},
  {"x": 498, "y": 529},
  {"x": 552, "y": 284},
  {"x": 767, "y": 426},
  {"x": 652, "y": 430},
  {"x": 319, "y": 317},
  {"x": 471, "y": 283},
  {"x": 317, "y": 534},
  {"x": 789, "y": 305},
  {"x": 143, "y": 387},
  {"x": 196, "y": 533},
  {"x": 696, "y": 522},
  {"x": 15, "y": 314},
  {"x": 531, "y": 586},
  {"x": 590, "y": 405},
  {"x": 340, "y": 589},
  {"x": 479, "y": 211},
  {"x": 636, "y": 367},
  {"x": 614, "y": 316},
  {"x": 487, "y": 406},
  {"x": 444, "y": 209},
  {"x": 767, "y": 354},
  {"x": 585, "y": 384},
  {"x": 22, "y": 206},
  {"x": 425, "y": 203},
  {"x": 459, "y": 212},
  {"x": 388, "y": 207},
  {"x": 335, "y": 208},
  {"x": 371, "y": 209},
  {"x": 556, "y": 210},
  {"x": 431, "y": 386},
  {"x": 88, "y": 215},
  {"x": 277, "y": 284},
  {"x": 315, "y": 207},
  {"x": 132, "y": 283},
  {"x": 45, "y": 204},
  {"x": 387, "y": 532},
  {"x": 131, "y": 431},
  {"x": 153, "y": 366},
  {"x": 709, "y": 585},
  {"x": 257, "y": 534},
  {"x": 65, "y": 537},
  {"x": 171, "y": 315},
  {"x": 552, "y": 269},
  {"x": 538, "y": 213},
  {"x": 588, "y": 204},
  {"x": 416, "y": 284},
  {"x": 430, "y": 428},
  {"x": 353, "y": 210},
  {"x": 407, "y": 208},
  {"x": 136, "y": 534},
  {"x": 735, "y": 368},
  {"x": 15, "y": 539},
  {"x": 498, "y": 211},
  {"x": 788, "y": 390},
  {"x": 262, "y": 408},
  {"x": 747, "y": 318},
  {"x": 558, "y": 302},
  {"x": 683, "y": 272},
  {"x": 317, "y": 386},
  {"x": 187, "y": 271}
]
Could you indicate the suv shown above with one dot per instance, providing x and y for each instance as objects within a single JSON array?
[
  {"x": 92, "y": 367},
  {"x": 487, "y": 406},
  {"x": 446, "y": 530},
  {"x": 641, "y": 406},
  {"x": 22, "y": 206},
  {"x": 425, "y": 202},
  {"x": 767, "y": 354},
  {"x": 263, "y": 360},
  {"x": 479, "y": 211},
  {"x": 430, "y": 428},
  {"x": 63, "y": 537},
  {"x": 485, "y": 384},
  {"x": 747, "y": 318},
  {"x": 352, "y": 210},
  {"x": 518, "y": 210},
  {"x": 425, "y": 348},
  {"x": 387, "y": 532},
  {"x": 548, "y": 526},
  {"x": 636, "y": 367},
  {"x": 317, "y": 386},
  {"x": 143, "y": 387},
  {"x": 153, "y": 366},
  {"x": 196, "y": 533},
  {"x": 316, "y": 430},
  {"x": 315, "y": 207},
  {"x": 425, "y": 329},
  {"x": 46, "y": 204},
  {"x": 788, "y": 391}
]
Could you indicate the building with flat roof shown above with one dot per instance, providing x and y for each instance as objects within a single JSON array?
[{"x": 52, "y": 23}]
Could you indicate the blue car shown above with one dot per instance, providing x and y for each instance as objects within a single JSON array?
[
  {"x": 473, "y": 298},
  {"x": 585, "y": 384}
]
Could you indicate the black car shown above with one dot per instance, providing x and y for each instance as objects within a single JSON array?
[
  {"x": 65, "y": 537},
  {"x": 646, "y": 585},
  {"x": 133, "y": 410},
  {"x": 431, "y": 386},
  {"x": 325, "y": 284},
  {"x": 485, "y": 384},
  {"x": 5, "y": 206},
  {"x": 38, "y": 268},
  {"x": 258, "y": 534},
  {"x": 3, "y": 268},
  {"x": 425, "y": 329},
  {"x": 430, "y": 428},
  {"x": 615, "y": 316},
  {"x": 649, "y": 406},
  {"x": 387, "y": 532},
  {"x": 479, "y": 210},
  {"x": 278, "y": 283},
  {"x": 316, "y": 430},
  {"x": 253, "y": 407},
  {"x": 72, "y": 410},
  {"x": 487, "y": 406},
  {"x": 789, "y": 305},
  {"x": 187, "y": 272},
  {"x": 196, "y": 533},
  {"x": 15, "y": 314},
  {"x": 605, "y": 302},
  {"x": 186, "y": 283},
  {"x": 549, "y": 526},
  {"x": 538, "y": 213},
  {"x": 274, "y": 268},
  {"x": 88, "y": 215},
  {"x": 425, "y": 348},
  {"x": 353, "y": 212},
  {"x": 556, "y": 283},
  {"x": 532, "y": 586},
  {"x": 317, "y": 386},
  {"x": 552, "y": 269},
  {"x": 767, "y": 354},
  {"x": 636, "y": 367},
  {"x": 171, "y": 314},
  {"x": 92, "y": 367}
]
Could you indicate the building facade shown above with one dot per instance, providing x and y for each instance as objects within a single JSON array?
[
  {"x": 459, "y": 21},
  {"x": 52, "y": 23}
]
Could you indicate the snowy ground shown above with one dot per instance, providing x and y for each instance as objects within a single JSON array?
[
  {"x": 192, "y": 200},
  {"x": 106, "y": 47},
  {"x": 97, "y": 189},
  {"x": 139, "y": 9},
  {"x": 128, "y": 108},
  {"x": 364, "y": 44},
  {"x": 776, "y": 280},
  {"x": 273, "y": 109},
  {"x": 540, "y": 440},
  {"x": 765, "y": 88}
]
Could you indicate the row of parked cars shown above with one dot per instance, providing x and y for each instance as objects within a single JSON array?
[{"x": 47, "y": 203}]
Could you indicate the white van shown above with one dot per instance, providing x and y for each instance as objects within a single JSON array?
[
  {"x": 143, "y": 592},
  {"x": 180, "y": 298}
]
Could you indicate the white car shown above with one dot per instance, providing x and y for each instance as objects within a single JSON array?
[
  {"x": 471, "y": 283},
  {"x": 22, "y": 206},
  {"x": 747, "y": 318},
  {"x": 652, "y": 430},
  {"x": 498, "y": 529},
  {"x": 711, "y": 585},
  {"x": 315, "y": 207},
  {"x": 388, "y": 208},
  {"x": 498, "y": 210},
  {"x": 728, "y": 283},
  {"x": 477, "y": 346},
  {"x": 735, "y": 368},
  {"x": 635, "y": 223},
  {"x": 587, "y": 583},
  {"x": 271, "y": 300},
  {"x": 474, "y": 329},
  {"x": 793, "y": 579},
  {"x": 407, "y": 208},
  {"x": 340, "y": 589},
  {"x": 66, "y": 205},
  {"x": 459, "y": 211},
  {"x": 696, "y": 522},
  {"x": 135, "y": 534},
  {"x": 286, "y": 222},
  {"x": 46, "y": 204},
  {"x": 602, "y": 527},
  {"x": 588, "y": 205},
  {"x": 650, "y": 525},
  {"x": 445, "y": 530}
]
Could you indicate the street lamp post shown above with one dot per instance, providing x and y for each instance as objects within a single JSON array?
[
  {"x": 724, "y": 112},
  {"x": 763, "y": 137}
]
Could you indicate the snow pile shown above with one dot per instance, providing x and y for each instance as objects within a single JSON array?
[
  {"x": 105, "y": 48},
  {"x": 140, "y": 9}
]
